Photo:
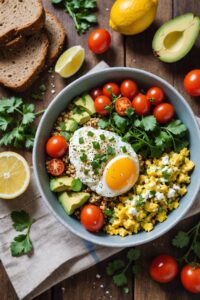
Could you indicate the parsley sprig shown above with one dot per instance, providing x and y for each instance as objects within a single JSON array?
[
  {"x": 117, "y": 269},
  {"x": 81, "y": 11},
  {"x": 191, "y": 240},
  {"x": 16, "y": 123},
  {"x": 22, "y": 243}
]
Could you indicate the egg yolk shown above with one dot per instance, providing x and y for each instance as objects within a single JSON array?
[{"x": 122, "y": 173}]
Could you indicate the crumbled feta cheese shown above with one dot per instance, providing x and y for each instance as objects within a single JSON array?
[
  {"x": 159, "y": 196},
  {"x": 151, "y": 184},
  {"x": 175, "y": 169},
  {"x": 171, "y": 193},
  {"x": 163, "y": 180},
  {"x": 165, "y": 169},
  {"x": 146, "y": 194},
  {"x": 176, "y": 187},
  {"x": 165, "y": 160},
  {"x": 133, "y": 211}
]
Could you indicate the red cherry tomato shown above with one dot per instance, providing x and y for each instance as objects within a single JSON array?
[
  {"x": 163, "y": 268},
  {"x": 100, "y": 103},
  {"x": 190, "y": 278},
  {"x": 56, "y": 146},
  {"x": 95, "y": 93},
  {"x": 99, "y": 41},
  {"x": 192, "y": 83},
  {"x": 163, "y": 113},
  {"x": 121, "y": 106},
  {"x": 92, "y": 217},
  {"x": 129, "y": 88},
  {"x": 141, "y": 105},
  {"x": 111, "y": 88},
  {"x": 155, "y": 95},
  {"x": 55, "y": 167}
]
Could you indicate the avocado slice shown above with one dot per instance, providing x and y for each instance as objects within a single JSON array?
[
  {"x": 71, "y": 125},
  {"x": 87, "y": 103},
  {"x": 81, "y": 118},
  {"x": 175, "y": 38},
  {"x": 61, "y": 184},
  {"x": 71, "y": 201}
]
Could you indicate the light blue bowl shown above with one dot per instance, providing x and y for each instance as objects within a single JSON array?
[{"x": 59, "y": 105}]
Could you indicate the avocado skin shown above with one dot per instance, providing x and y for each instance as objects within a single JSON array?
[
  {"x": 87, "y": 103},
  {"x": 71, "y": 201}
]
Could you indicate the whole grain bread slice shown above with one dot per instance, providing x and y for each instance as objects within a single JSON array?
[
  {"x": 14, "y": 44},
  {"x": 56, "y": 35},
  {"x": 20, "y": 17},
  {"x": 18, "y": 69}
]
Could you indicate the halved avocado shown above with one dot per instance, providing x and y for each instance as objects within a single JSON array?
[{"x": 175, "y": 38}]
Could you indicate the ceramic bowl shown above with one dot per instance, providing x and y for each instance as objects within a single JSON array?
[{"x": 59, "y": 105}]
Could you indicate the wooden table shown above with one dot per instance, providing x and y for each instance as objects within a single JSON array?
[{"x": 131, "y": 52}]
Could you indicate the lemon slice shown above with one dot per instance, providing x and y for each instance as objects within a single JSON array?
[
  {"x": 70, "y": 61},
  {"x": 14, "y": 175}
]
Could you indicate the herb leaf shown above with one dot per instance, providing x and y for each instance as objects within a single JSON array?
[
  {"x": 133, "y": 254},
  {"x": 21, "y": 220},
  {"x": 21, "y": 245},
  {"x": 120, "y": 279},
  {"x": 149, "y": 123},
  {"x": 114, "y": 266},
  {"x": 76, "y": 185},
  {"x": 181, "y": 240}
]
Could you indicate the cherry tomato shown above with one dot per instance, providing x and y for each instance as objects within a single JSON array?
[
  {"x": 111, "y": 88},
  {"x": 192, "y": 83},
  {"x": 163, "y": 268},
  {"x": 141, "y": 105},
  {"x": 190, "y": 278},
  {"x": 100, "y": 103},
  {"x": 92, "y": 217},
  {"x": 99, "y": 41},
  {"x": 56, "y": 146},
  {"x": 95, "y": 93},
  {"x": 55, "y": 167},
  {"x": 155, "y": 95},
  {"x": 121, "y": 106},
  {"x": 129, "y": 88},
  {"x": 163, "y": 113}
]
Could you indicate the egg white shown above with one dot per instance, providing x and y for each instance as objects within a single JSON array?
[{"x": 97, "y": 182}]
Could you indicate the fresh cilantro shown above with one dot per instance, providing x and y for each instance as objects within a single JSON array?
[
  {"x": 130, "y": 112},
  {"x": 108, "y": 212},
  {"x": 96, "y": 145},
  {"x": 16, "y": 123},
  {"x": 166, "y": 175},
  {"x": 42, "y": 88},
  {"x": 124, "y": 150},
  {"x": 153, "y": 193},
  {"x": 102, "y": 137},
  {"x": 22, "y": 243},
  {"x": 81, "y": 11},
  {"x": 111, "y": 151},
  {"x": 176, "y": 127},
  {"x": 81, "y": 140},
  {"x": 121, "y": 123},
  {"x": 148, "y": 123},
  {"x": 117, "y": 269},
  {"x": 103, "y": 123},
  {"x": 36, "y": 96},
  {"x": 181, "y": 240},
  {"x": 86, "y": 172},
  {"x": 83, "y": 157},
  {"x": 90, "y": 133},
  {"x": 139, "y": 202},
  {"x": 76, "y": 185},
  {"x": 191, "y": 240}
]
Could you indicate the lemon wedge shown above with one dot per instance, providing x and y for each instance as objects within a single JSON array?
[
  {"x": 70, "y": 61},
  {"x": 14, "y": 175}
]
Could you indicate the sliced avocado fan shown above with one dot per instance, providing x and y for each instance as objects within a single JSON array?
[{"x": 175, "y": 38}]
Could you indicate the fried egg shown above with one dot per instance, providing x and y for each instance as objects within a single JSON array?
[{"x": 103, "y": 162}]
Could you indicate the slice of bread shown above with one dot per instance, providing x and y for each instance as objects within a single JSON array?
[
  {"x": 18, "y": 69},
  {"x": 20, "y": 17},
  {"x": 14, "y": 44},
  {"x": 56, "y": 34}
]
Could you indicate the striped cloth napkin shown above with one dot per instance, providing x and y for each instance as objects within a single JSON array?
[{"x": 58, "y": 254}]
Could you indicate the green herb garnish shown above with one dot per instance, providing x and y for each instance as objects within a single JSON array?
[
  {"x": 96, "y": 145},
  {"x": 81, "y": 140},
  {"x": 81, "y": 11},
  {"x": 16, "y": 123},
  {"x": 90, "y": 133},
  {"x": 76, "y": 185},
  {"x": 117, "y": 269},
  {"x": 22, "y": 243},
  {"x": 83, "y": 157},
  {"x": 124, "y": 149},
  {"x": 102, "y": 137}
]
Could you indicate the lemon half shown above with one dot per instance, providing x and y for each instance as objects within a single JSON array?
[
  {"x": 70, "y": 61},
  {"x": 14, "y": 175}
]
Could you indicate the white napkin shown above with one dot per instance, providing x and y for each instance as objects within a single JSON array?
[{"x": 58, "y": 254}]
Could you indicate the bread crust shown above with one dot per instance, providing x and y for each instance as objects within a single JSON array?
[
  {"x": 52, "y": 55},
  {"x": 26, "y": 30}
]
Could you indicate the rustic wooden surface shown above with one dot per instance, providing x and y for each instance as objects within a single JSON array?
[{"x": 132, "y": 52}]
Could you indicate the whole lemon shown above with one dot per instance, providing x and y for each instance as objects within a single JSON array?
[{"x": 130, "y": 17}]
